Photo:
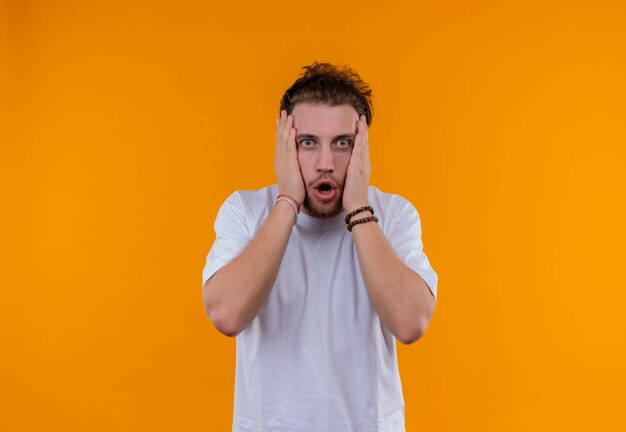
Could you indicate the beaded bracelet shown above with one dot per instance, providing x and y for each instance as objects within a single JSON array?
[
  {"x": 362, "y": 220},
  {"x": 359, "y": 210}
]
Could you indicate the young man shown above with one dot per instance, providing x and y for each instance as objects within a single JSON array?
[{"x": 317, "y": 300}]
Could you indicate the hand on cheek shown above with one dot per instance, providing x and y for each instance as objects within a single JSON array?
[
  {"x": 286, "y": 162},
  {"x": 359, "y": 170}
]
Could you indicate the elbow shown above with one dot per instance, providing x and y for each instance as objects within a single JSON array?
[
  {"x": 414, "y": 329},
  {"x": 411, "y": 337},
  {"x": 413, "y": 333},
  {"x": 223, "y": 322},
  {"x": 226, "y": 328}
]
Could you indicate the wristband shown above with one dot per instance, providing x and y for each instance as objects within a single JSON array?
[
  {"x": 359, "y": 210},
  {"x": 362, "y": 220},
  {"x": 293, "y": 206},
  {"x": 292, "y": 199}
]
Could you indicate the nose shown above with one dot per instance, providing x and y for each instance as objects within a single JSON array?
[{"x": 325, "y": 160}]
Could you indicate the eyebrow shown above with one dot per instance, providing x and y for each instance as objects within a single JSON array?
[{"x": 315, "y": 137}]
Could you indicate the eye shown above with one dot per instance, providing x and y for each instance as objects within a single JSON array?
[
  {"x": 306, "y": 143},
  {"x": 343, "y": 143}
]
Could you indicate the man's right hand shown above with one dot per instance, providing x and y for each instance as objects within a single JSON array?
[
  {"x": 235, "y": 294},
  {"x": 286, "y": 163}
]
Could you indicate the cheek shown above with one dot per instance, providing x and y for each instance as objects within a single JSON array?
[
  {"x": 305, "y": 161},
  {"x": 343, "y": 159}
]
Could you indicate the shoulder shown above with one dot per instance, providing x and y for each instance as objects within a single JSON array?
[
  {"x": 252, "y": 205},
  {"x": 389, "y": 202},
  {"x": 390, "y": 207},
  {"x": 251, "y": 199}
]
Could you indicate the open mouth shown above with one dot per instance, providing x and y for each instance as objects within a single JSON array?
[
  {"x": 325, "y": 192},
  {"x": 325, "y": 188}
]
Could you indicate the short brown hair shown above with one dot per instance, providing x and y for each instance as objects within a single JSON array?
[{"x": 323, "y": 83}]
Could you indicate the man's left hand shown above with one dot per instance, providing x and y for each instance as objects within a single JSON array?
[{"x": 359, "y": 170}]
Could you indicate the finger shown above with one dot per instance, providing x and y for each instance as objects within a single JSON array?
[
  {"x": 358, "y": 139},
  {"x": 287, "y": 129},
  {"x": 281, "y": 122},
  {"x": 279, "y": 125},
  {"x": 276, "y": 150},
  {"x": 355, "y": 156},
  {"x": 291, "y": 141},
  {"x": 363, "y": 128},
  {"x": 365, "y": 149}
]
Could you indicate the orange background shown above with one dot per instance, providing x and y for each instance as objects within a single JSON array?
[{"x": 124, "y": 125}]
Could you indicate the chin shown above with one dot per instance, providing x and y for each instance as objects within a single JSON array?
[{"x": 329, "y": 210}]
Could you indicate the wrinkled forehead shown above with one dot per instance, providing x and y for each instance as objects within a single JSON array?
[{"x": 324, "y": 120}]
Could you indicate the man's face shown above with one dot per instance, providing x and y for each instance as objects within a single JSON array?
[{"x": 324, "y": 139}]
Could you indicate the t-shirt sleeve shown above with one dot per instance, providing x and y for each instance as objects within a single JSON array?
[
  {"x": 231, "y": 236},
  {"x": 406, "y": 239}
]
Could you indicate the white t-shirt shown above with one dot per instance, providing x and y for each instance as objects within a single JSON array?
[{"x": 316, "y": 358}]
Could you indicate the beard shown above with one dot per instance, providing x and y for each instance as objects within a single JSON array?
[{"x": 318, "y": 212}]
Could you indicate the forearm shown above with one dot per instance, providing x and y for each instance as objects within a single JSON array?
[
  {"x": 236, "y": 293},
  {"x": 400, "y": 297}
]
